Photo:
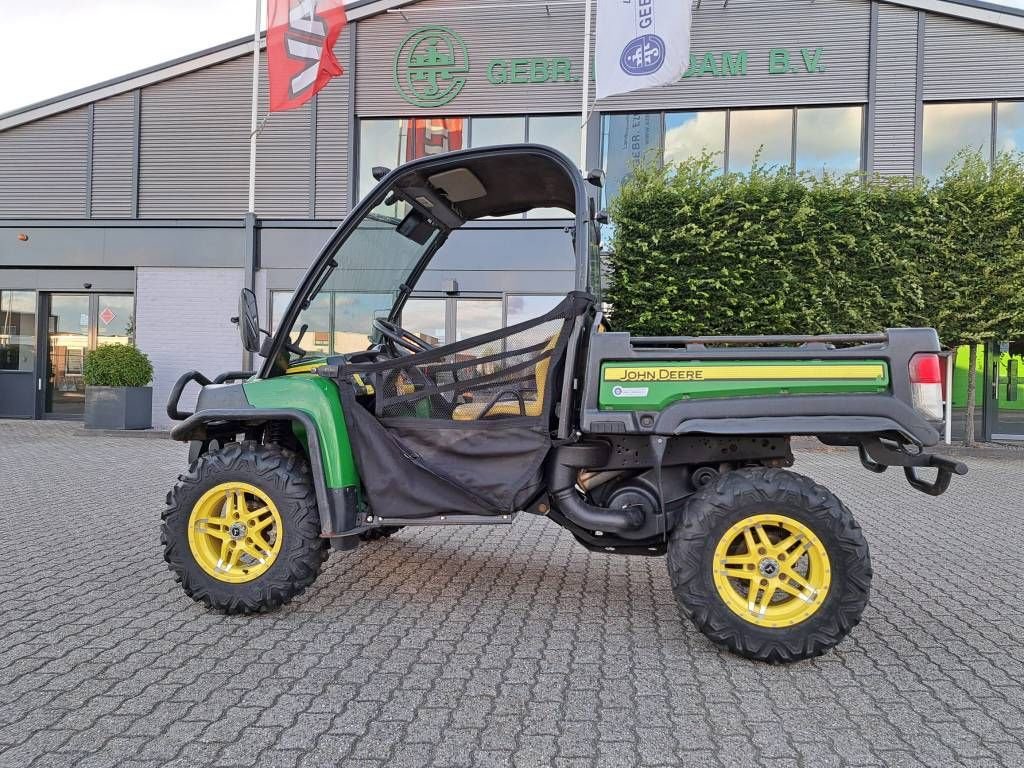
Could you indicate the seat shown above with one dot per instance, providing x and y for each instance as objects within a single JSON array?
[{"x": 530, "y": 407}]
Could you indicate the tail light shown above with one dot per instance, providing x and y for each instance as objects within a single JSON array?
[{"x": 926, "y": 384}]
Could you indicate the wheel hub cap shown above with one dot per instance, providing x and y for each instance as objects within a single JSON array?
[
  {"x": 771, "y": 570},
  {"x": 235, "y": 532}
]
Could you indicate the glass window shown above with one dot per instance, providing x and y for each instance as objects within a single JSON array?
[
  {"x": 764, "y": 134},
  {"x": 317, "y": 339},
  {"x": 519, "y": 309},
  {"x": 563, "y": 133},
  {"x": 114, "y": 321},
  {"x": 392, "y": 142},
  {"x": 689, "y": 134},
  {"x": 476, "y": 316},
  {"x": 353, "y": 319},
  {"x": 17, "y": 330},
  {"x": 425, "y": 318},
  {"x": 559, "y": 131},
  {"x": 949, "y": 128},
  {"x": 488, "y": 131},
  {"x": 628, "y": 141},
  {"x": 1010, "y": 126},
  {"x": 828, "y": 140}
]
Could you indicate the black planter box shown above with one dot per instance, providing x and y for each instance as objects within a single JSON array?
[{"x": 118, "y": 407}]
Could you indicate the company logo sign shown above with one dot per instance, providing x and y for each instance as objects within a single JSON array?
[
  {"x": 643, "y": 55},
  {"x": 430, "y": 66}
]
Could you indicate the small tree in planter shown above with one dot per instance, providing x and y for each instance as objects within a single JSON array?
[{"x": 117, "y": 395}]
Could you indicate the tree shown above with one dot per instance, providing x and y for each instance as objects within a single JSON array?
[{"x": 973, "y": 275}]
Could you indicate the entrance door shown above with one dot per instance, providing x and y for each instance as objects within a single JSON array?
[
  {"x": 1004, "y": 391},
  {"x": 67, "y": 343}
]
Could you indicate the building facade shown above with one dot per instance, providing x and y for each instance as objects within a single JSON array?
[{"x": 123, "y": 206}]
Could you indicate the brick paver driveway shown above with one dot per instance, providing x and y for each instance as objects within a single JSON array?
[{"x": 486, "y": 646}]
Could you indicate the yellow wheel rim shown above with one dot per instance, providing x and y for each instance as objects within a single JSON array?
[
  {"x": 235, "y": 532},
  {"x": 771, "y": 570}
]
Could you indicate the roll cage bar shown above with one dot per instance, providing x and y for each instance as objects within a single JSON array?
[{"x": 584, "y": 248}]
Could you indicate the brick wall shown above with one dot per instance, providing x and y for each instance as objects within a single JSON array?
[{"x": 183, "y": 323}]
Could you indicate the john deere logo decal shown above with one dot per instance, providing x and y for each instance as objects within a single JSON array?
[{"x": 431, "y": 66}]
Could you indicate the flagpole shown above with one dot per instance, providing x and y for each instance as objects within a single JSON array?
[
  {"x": 584, "y": 112},
  {"x": 255, "y": 106}
]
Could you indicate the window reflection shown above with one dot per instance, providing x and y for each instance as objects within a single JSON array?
[
  {"x": 563, "y": 133},
  {"x": 17, "y": 330},
  {"x": 353, "y": 319},
  {"x": 339, "y": 322},
  {"x": 1010, "y": 126},
  {"x": 628, "y": 141},
  {"x": 391, "y": 143},
  {"x": 559, "y": 131},
  {"x": 828, "y": 140},
  {"x": 949, "y": 128},
  {"x": 762, "y": 134},
  {"x": 690, "y": 134},
  {"x": 115, "y": 319},
  {"x": 426, "y": 319},
  {"x": 520, "y": 308},
  {"x": 488, "y": 131}
]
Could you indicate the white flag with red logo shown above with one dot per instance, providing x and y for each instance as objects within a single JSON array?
[
  {"x": 641, "y": 43},
  {"x": 300, "y": 49}
]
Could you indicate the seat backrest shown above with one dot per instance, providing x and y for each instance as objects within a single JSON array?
[{"x": 541, "y": 373}]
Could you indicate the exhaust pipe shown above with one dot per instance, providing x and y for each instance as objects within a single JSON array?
[{"x": 562, "y": 490}]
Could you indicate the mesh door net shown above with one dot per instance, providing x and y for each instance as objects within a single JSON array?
[{"x": 463, "y": 428}]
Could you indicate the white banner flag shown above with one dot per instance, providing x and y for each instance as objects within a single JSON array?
[{"x": 641, "y": 43}]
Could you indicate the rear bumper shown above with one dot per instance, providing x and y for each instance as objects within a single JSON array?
[{"x": 878, "y": 456}]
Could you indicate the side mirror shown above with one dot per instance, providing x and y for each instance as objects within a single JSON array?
[
  {"x": 601, "y": 217},
  {"x": 596, "y": 177},
  {"x": 248, "y": 321}
]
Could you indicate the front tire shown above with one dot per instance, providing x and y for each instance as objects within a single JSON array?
[
  {"x": 770, "y": 565},
  {"x": 241, "y": 530}
]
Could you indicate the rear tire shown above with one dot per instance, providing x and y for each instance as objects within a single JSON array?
[
  {"x": 261, "y": 557},
  {"x": 786, "y": 538}
]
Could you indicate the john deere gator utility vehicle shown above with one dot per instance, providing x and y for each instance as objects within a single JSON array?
[{"x": 635, "y": 445}]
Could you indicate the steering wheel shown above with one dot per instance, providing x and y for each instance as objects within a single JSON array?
[{"x": 397, "y": 335}]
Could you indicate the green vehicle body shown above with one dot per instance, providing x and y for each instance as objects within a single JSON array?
[
  {"x": 620, "y": 440},
  {"x": 651, "y": 386}
]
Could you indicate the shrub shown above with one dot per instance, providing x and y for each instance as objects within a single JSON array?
[{"x": 117, "y": 365}]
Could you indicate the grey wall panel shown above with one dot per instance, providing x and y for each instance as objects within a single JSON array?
[
  {"x": 194, "y": 158},
  {"x": 966, "y": 60},
  {"x": 43, "y": 167},
  {"x": 124, "y": 246},
  {"x": 893, "y": 134},
  {"x": 195, "y": 148},
  {"x": 490, "y": 31},
  {"x": 17, "y": 395},
  {"x": 333, "y": 136},
  {"x": 838, "y": 27},
  {"x": 114, "y": 280},
  {"x": 282, "y": 155},
  {"x": 113, "y": 135}
]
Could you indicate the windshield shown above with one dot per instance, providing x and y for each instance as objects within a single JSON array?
[{"x": 372, "y": 263}]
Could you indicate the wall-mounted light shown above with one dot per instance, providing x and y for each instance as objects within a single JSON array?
[{"x": 22, "y": 236}]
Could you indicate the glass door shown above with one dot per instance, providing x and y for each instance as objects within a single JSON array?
[
  {"x": 67, "y": 342},
  {"x": 1004, "y": 391}
]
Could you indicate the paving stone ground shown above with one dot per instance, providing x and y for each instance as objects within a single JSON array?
[{"x": 487, "y": 646}]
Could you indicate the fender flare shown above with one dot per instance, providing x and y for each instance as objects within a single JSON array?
[{"x": 194, "y": 428}]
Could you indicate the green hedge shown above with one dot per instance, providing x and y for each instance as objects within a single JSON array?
[
  {"x": 699, "y": 252},
  {"x": 117, "y": 365}
]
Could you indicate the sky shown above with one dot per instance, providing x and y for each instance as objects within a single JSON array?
[{"x": 88, "y": 41}]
